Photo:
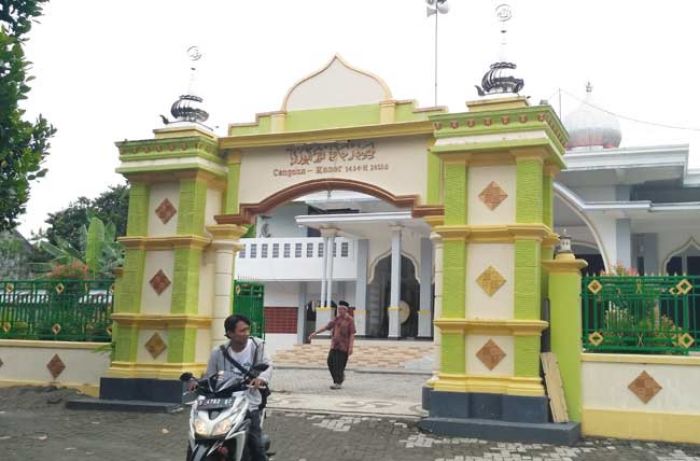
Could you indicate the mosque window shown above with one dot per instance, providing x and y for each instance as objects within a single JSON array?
[
  {"x": 320, "y": 250},
  {"x": 263, "y": 250},
  {"x": 309, "y": 250},
  {"x": 685, "y": 260},
  {"x": 253, "y": 250},
  {"x": 275, "y": 250},
  {"x": 287, "y": 250},
  {"x": 241, "y": 252},
  {"x": 297, "y": 250},
  {"x": 344, "y": 249}
]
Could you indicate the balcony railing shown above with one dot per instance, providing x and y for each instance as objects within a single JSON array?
[
  {"x": 641, "y": 314},
  {"x": 293, "y": 259},
  {"x": 67, "y": 310}
]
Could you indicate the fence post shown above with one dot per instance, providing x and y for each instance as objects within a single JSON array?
[{"x": 565, "y": 324}]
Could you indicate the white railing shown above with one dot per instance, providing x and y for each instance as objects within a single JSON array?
[{"x": 293, "y": 259}]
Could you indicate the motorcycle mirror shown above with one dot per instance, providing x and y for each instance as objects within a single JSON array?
[
  {"x": 186, "y": 376},
  {"x": 261, "y": 367}
]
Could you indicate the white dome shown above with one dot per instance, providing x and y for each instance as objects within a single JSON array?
[{"x": 590, "y": 127}]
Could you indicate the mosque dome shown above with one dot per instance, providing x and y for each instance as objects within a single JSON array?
[{"x": 590, "y": 127}]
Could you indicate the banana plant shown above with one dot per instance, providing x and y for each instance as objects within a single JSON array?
[{"x": 99, "y": 250}]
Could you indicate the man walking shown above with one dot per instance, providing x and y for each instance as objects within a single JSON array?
[{"x": 342, "y": 330}]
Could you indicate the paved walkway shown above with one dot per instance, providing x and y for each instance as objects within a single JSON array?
[
  {"x": 34, "y": 426},
  {"x": 362, "y": 393},
  {"x": 372, "y": 418},
  {"x": 368, "y": 354}
]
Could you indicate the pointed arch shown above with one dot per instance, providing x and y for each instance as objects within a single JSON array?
[
  {"x": 690, "y": 243},
  {"x": 574, "y": 203}
]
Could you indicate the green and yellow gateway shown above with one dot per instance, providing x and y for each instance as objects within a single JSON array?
[{"x": 480, "y": 181}]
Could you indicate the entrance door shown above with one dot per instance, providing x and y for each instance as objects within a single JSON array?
[{"x": 380, "y": 296}]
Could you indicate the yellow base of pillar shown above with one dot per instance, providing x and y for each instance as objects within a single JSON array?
[
  {"x": 531, "y": 387},
  {"x": 154, "y": 371}
]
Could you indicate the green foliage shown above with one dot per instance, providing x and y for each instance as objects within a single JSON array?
[
  {"x": 111, "y": 207},
  {"x": 648, "y": 329},
  {"x": 250, "y": 233},
  {"x": 23, "y": 144},
  {"x": 97, "y": 255},
  {"x": 93, "y": 247}
]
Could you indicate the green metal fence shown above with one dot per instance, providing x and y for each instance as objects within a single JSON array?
[
  {"x": 641, "y": 314},
  {"x": 248, "y": 300},
  {"x": 65, "y": 310}
]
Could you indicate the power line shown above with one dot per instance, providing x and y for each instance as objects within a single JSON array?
[{"x": 631, "y": 119}]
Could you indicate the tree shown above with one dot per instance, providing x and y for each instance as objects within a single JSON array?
[
  {"x": 111, "y": 207},
  {"x": 97, "y": 254},
  {"x": 23, "y": 144}
]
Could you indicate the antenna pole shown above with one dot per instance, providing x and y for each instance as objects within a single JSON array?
[
  {"x": 436, "y": 57},
  {"x": 559, "y": 103}
]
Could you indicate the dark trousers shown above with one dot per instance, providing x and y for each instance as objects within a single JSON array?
[
  {"x": 255, "y": 442},
  {"x": 337, "y": 360}
]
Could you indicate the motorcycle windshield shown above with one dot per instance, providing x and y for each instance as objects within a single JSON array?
[{"x": 228, "y": 382}]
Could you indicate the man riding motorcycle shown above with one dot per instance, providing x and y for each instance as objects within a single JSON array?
[{"x": 237, "y": 358}]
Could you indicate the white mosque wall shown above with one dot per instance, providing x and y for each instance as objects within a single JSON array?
[
  {"x": 281, "y": 294},
  {"x": 676, "y": 241},
  {"x": 280, "y": 222}
]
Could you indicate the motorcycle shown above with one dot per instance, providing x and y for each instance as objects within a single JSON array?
[{"x": 219, "y": 422}]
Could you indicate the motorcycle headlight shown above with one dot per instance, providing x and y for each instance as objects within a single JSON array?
[
  {"x": 200, "y": 427},
  {"x": 223, "y": 427}
]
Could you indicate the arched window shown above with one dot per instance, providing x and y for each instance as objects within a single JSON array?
[{"x": 685, "y": 260}]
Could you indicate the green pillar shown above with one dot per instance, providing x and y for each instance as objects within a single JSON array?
[{"x": 565, "y": 325}]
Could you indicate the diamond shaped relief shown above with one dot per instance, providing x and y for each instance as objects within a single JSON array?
[
  {"x": 490, "y": 281},
  {"x": 165, "y": 211},
  {"x": 490, "y": 354},
  {"x": 644, "y": 387},
  {"x": 595, "y": 286},
  {"x": 493, "y": 195},
  {"x": 56, "y": 366},
  {"x": 684, "y": 286},
  {"x": 595, "y": 338},
  {"x": 160, "y": 282},
  {"x": 686, "y": 340},
  {"x": 155, "y": 346}
]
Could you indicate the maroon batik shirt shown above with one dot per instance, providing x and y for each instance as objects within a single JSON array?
[{"x": 342, "y": 330}]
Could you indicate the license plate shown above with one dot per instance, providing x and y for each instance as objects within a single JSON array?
[{"x": 213, "y": 404}]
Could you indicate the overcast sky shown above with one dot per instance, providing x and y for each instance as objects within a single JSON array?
[{"x": 106, "y": 69}]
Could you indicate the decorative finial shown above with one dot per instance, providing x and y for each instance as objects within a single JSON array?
[
  {"x": 183, "y": 109},
  {"x": 497, "y": 79}
]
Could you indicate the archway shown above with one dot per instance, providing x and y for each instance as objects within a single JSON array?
[
  {"x": 684, "y": 260},
  {"x": 378, "y": 295},
  {"x": 247, "y": 211},
  {"x": 570, "y": 217}
]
